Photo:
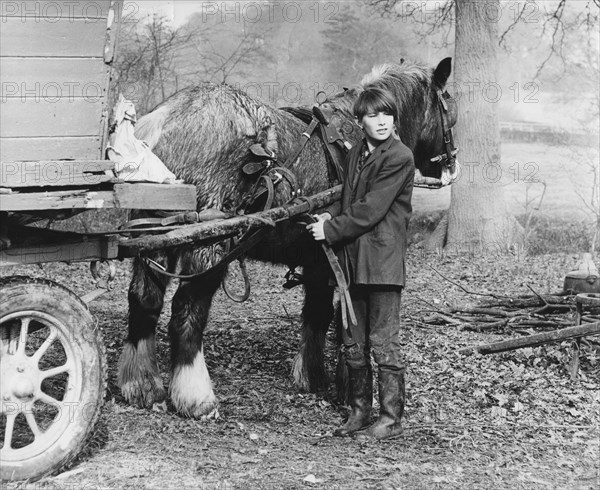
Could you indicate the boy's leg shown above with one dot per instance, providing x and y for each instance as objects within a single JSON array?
[
  {"x": 384, "y": 322},
  {"x": 359, "y": 368}
]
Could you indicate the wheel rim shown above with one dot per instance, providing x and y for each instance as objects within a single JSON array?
[{"x": 42, "y": 402}]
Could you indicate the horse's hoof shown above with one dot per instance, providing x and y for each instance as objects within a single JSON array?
[{"x": 143, "y": 394}]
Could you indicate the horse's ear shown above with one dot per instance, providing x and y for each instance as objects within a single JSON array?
[{"x": 442, "y": 72}]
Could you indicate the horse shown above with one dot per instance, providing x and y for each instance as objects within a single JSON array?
[{"x": 204, "y": 134}]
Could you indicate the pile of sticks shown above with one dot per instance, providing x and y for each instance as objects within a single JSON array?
[{"x": 554, "y": 313}]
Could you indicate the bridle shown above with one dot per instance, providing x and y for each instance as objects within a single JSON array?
[{"x": 448, "y": 158}]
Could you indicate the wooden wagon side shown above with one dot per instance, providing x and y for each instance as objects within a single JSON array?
[
  {"x": 56, "y": 65},
  {"x": 55, "y": 68}
]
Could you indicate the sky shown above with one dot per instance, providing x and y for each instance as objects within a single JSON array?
[{"x": 178, "y": 11}]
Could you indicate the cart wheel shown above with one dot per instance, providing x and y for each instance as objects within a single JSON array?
[{"x": 53, "y": 375}]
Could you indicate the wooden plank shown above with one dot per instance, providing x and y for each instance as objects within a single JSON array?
[
  {"x": 75, "y": 37},
  {"x": 50, "y": 79},
  {"x": 55, "y": 173},
  {"x": 52, "y": 11},
  {"x": 127, "y": 196},
  {"x": 535, "y": 340},
  {"x": 171, "y": 197},
  {"x": 92, "y": 248},
  {"x": 73, "y": 199},
  {"x": 77, "y": 117},
  {"x": 217, "y": 230},
  {"x": 51, "y": 148}
]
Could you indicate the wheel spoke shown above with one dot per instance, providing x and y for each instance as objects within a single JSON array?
[
  {"x": 23, "y": 335},
  {"x": 11, "y": 340},
  {"x": 49, "y": 373},
  {"x": 10, "y": 425},
  {"x": 47, "y": 343},
  {"x": 49, "y": 400},
  {"x": 32, "y": 424}
]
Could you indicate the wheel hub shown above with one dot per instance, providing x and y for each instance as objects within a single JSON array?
[{"x": 20, "y": 382}]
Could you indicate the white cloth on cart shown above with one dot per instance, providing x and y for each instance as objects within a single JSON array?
[{"x": 134, "y": 161}]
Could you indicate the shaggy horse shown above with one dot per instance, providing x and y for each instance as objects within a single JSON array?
[{"x": 204, "y": 134}]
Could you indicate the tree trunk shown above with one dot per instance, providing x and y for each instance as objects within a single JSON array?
[{"x": 478, "y": 220}]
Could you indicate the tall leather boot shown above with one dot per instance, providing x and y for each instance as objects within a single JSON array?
[
  {"x": 391, "y": 400},
  {"x": 361, "y": 401}
]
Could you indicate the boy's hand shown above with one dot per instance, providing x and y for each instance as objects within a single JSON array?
[{"x": 317, "y": 228}]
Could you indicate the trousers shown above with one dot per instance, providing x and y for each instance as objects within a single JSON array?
[{"x": 377, "y": 310}]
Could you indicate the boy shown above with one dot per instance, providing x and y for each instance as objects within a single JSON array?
[{"x": 371, "y": 233}]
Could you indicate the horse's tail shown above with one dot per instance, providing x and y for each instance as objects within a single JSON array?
[{"x": 149, "y": 127}]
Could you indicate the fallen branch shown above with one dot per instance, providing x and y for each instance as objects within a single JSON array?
[
  {"x": 463, "y": 288},
  {"x": 484, "y": 311},
  {"x": 528, "y": 302},
  {"x": 542, "y": 324},
  {"x": 535, "y": 340},
  {"x": 487, "y": 326},
  {"x": 552, "y": 308}
]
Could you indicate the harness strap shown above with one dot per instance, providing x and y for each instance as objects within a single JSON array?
[
  {"x": 235, "y": 297},
  {"x": 177, "y": 219},
  {"x": 305, "y": 137},
  {"x": 448, "y": 136},
  {"x": 248, "y": 240},
  {"x": 340, "y": 279}
]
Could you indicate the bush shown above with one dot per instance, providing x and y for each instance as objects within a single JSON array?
[
  {"x": 550, "y": 234},
  {"x": 546, "y": 234},
  {"x": 422, "y": 225}
]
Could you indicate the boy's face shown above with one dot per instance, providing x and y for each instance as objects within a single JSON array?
[{"x": 378, "y": 126}]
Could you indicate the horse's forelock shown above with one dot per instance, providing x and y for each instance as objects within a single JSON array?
[{"x": 401, "y": 80}]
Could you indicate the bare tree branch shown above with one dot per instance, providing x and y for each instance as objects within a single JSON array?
[
  {"x": 558, "y": 30},
  {"x": 502, "y": 40}
]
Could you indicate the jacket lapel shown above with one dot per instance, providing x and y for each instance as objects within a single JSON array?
[{"x": 378, "y": 151}]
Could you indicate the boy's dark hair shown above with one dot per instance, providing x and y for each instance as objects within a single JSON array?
[{"x": 375, "y": 100}]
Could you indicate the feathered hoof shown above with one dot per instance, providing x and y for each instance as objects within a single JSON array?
[
  {"x": 144, "y": 393},
  {"x": 191, "y": 390},
  {"x": 139, "y": 378},
  {"x": 207, "y": 410}
]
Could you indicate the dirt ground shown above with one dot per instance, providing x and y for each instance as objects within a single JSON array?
[{"x": 505, "y": 421}]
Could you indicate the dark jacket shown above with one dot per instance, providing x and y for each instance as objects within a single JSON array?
[{"x": 375, "y": 210}]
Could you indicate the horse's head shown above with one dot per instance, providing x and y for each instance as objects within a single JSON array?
[
  {"x": 435, "y": 151},
  {"x": 427, "y": 112}
]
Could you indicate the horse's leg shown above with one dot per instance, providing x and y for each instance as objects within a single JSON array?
[
  {"x": 138, "y": 376},
  {"x": 309, "y": 364},
  {"x": 191, "y": 388}
]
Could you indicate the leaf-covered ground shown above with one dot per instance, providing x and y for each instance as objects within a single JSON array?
[{"x": 511, "y": 420}]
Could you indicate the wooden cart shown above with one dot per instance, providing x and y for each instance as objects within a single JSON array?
[{"x": 55, "y": 64}]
